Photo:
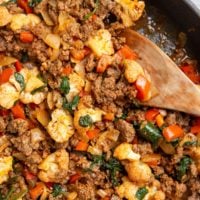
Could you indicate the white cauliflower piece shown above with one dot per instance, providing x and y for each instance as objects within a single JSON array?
[
  {"x": 22, "y": 20},
  {"x": 36, "y": 136},
  {"x": 129, "y": 189},
  {"x": 54, "y": 166},
  {"x": 54, "y": 99},
  {"x": 138, "y": 172},
  {"x": 60, "y": 128},
  {"x": 132, "y": 11},
  {"x": 101, "y": 43},
  {"x": 125, "y": 152},
  {"x": 8, "y": 95},
  {"x": 32, "y": 82},
  {"x": 76, "y": 83},
  {"x": 95, "y": 115},
  {"x": 5, "y": 168},
  {"x": 5, "y": 16},
  {"x": 132, "y": 70}
]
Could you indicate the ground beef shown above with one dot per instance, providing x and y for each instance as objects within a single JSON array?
[
  {"x": 127, "y": 132},
  {"x": 3, "y": 125},
  {"x": 2, "y": 44},
  {"x": 90, "y": 63},
  {"x": 17, "y": 126}
]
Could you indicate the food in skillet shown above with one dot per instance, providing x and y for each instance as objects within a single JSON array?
[{"x": 71, "y": 124}]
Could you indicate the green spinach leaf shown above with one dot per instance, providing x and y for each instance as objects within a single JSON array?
[
  {"x": 38, "y": 89},
  {"x": 70, "y": 106},
  {"x": 141, "y": 193},
  {"x": 183, "y": 167},
  {"x": 85, "y": 121},
  {"x": 20, "y": 79},
  {"x": 86, "y": 17},
  {"x": 57, "y": 190},
  {"x": 64, "y": 85}
]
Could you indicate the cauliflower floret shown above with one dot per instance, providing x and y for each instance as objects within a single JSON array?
[
  {"x": 124, "y": 152},
  {"x": 132, "y": 70},
  {"x": 54, "y": 99},
  {"x": 8, "y": 95},
  {"x": 101, "y": 43},
  {"x": 22, "y": 20},
  {"x": 129, "y": 189},
  {"x": 54, "y": 167},
  {"x": 5, "y": 16},
  {"x": 36, "y": 136},
  {"x": 132, "y": 11},
  {"x": 60, "y": 128},
  {"x": 94, "y": 114},
  {"x": 31, "y": 82},
  {"x": 76, "y": 85},
  {"x": 5, "y": 168},
  {"x": 138, "y": 172}
]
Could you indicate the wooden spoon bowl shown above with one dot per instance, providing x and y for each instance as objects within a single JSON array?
[{"x": 175, "y": 90}]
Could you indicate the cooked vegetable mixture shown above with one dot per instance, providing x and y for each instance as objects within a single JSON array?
[{"x": 72, "y": 124}]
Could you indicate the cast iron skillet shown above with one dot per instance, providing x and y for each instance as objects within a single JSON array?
[{"x": 186, "y": 13}]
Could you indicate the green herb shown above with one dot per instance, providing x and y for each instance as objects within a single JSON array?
[
  {"x": 38, "y": 89},
  {"x": 64, "y": 86},
  {"x": 123, "y": 116},
  {"x": 86, "y": 17},
  {"x": 57, "y": 190},
  {"x": 20, "y": 79},
  {"x": 34, "y": 3},
  {"x": 151, "y": 133},
  {"x": 24, "y": 57},
  {"x": 141, "y": 193},
  {"x": 9, "y": 194},
  {"x": 190, "y": 143},
  {"x": 183, "y": 167},
  {"x": 85, "y": 121},
  {"x": 70, "y": 106},
  {"x": 112, "y": 165},
  {"x": 7, "y": 2},
  {"x": 175, "y": 142}
]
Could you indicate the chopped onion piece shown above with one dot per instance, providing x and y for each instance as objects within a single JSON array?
[
  {"x": 6, "y": 60},
  {"x": 53, "y": 40}
]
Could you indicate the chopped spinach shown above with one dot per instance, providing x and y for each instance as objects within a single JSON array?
[
  {"x": 86, "y": 17},
  {"x": 20, "y": 79},
  {"x": 183, "y": 167},
  {"x": 151, "y": 133},
  {"x": 123, "y": 116},
  {"x": 57, "y": 190},
  {"x": 141, "y": 193},
  {"x": 85, "y": 121},
  {"x": 70, "y": 106},
  {"x": 64, "y": 85},
  {"x": 24, "y": 57},
  {"x": 38, "y": 89},
  {"x": 175, "y": 142},
  {"x": 34, "y": 3},
  {"x": 112, "y": 165},
  {"x": 8, "y": 195},
  {"x": 190, "y": 143}
]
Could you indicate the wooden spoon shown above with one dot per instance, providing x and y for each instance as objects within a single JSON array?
[{"x": 175, "y": 90}]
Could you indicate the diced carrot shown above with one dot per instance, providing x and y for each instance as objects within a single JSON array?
[
  {"x": 195, "y": 129},
  {"x": 86, "y": 51},
  {"x": 26, "y": 37},
  {"x": 74, "y": 178},
  {"x": 159, "y": 120},
  {"x": 28, "y": 175},
  {"x": 78, "y": 54},
  {"x": 151, "y": 159},
  {"x": 105, "y": 198},
  {"x": 127, "y": 53},
  {"x": 18, "y": 66},
  {"x": 82, "y": 93},
  {"x": 37, "y": 190},
  {"x": 109, "y": 116},
  {"x": 81, "y": 146},
  {"x": 151, "y": 114},
  {"x": 24, "y": 5},
  {"x": 67, "y": 70},
  {"x": 172, "y": 132},
  {"x": 5, "y": 75},
  {"x": 92, "y": 133},
  {"x": 191, "y": 72},
  {"x": 143, "y": 87},
  {"x": 18, "y": 111},
  {"x": 94, "y": 17},
  {"x": 103, "y": 63}
]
